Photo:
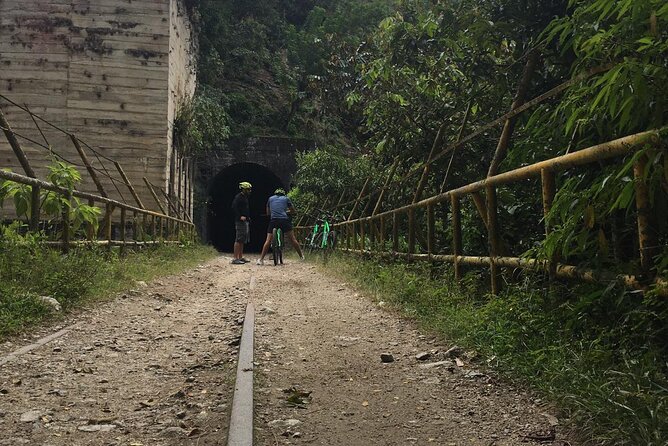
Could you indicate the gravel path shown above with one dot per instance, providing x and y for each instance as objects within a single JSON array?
[{"x": 156, "y": 366}]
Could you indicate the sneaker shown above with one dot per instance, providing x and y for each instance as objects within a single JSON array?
[
  {"x": 238, "y": 262},
  {"x": 245, "y": 260},
  {"x": 301, "y": 257},
  {"x": 260, "y": 262}
]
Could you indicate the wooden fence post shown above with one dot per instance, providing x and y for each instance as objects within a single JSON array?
[
  {"x": 411, "y": 233},
  {"x": 27, "y": 168},
  {"x": 90, "y": 230},
  {"x": 493, "y": 237},
  {"x": 382, "y": 233},
  {"x": 107, "y": 224},
  {"x": 548, "y": 192},
  {"x": 131, "y": 188},
  {"x": 431, "y": 237},
  {"x": 647, "y": 240},
  {"x": 123, "y": 222},
  {"x": 359, "y": 197},
  {"x": 456, "y": 235},
  {"x": 362, "y": 235},
  {"x": 372, "y": 235},
  {"x": 395, "y": 232},
  {"x": 66, "y": 222}
]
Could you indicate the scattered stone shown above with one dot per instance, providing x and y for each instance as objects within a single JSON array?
[
  {"x": 31, "y": 416},
  {"x": 268, "y": 310},
  {"x": 50, "y": 301},
  {"x": 173, "y": 432},
  {"x": 142, "y": 284},
  {"x": 432, "y": 365},
  {"x": 234, "y": 342},
  {"x": 554, "y": 421},
  {"x": 194, "y": 432},
  {"x": 423, "y": 356},
  {"x": 181, "y": 415},
  {"x": 472, "y": 374},
  {"x": 57, "y": 349},
  {"x": 96, "y": 427},
  {"x": 453, "y": 352},
  {"x": 432, "y": 380},
  {"x": 386, "y": 357}
]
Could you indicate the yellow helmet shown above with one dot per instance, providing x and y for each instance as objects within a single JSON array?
[{"x": 245, "y": 185}]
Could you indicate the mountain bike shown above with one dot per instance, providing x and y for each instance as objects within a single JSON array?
[
  {"x": 323, "y": 237},
  {"x": 277, "y": 246}
]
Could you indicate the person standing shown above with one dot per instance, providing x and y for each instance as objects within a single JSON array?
[
  {"x": 278, "y": 208},
  {"x": 241, "y": 209}
]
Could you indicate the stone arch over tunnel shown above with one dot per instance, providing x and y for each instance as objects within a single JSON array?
[{"x": 221, "y": 191}]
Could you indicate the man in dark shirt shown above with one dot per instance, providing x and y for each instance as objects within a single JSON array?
[
  {"x": 241, "y": 222},
  {"x": 278, "y": 208}
]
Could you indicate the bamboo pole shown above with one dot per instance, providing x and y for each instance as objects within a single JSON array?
[
  {"x": 66, "y": 222},
  {"x": 155, "y": 196},
  {"x": 90, "y": 229},
  {"x": 562, "y": 271},
  {"x": 647, "y": 240},
  {"x": 127, "y": 182},
  {"x": 480, "y": 205},
  {"x": 431, "y": 238},
  {"x": 382, "y": 233},
  {"x": 362, "y": 235},
  {"x": 599, "y": 152},
  {"x": 456, "y": 235},
  {"x": 89, "y": 166},
  {"x": 107, "y": 223},
  {"x": 27, "y": 168},
  {"x": 411, "y": 232},
  {"x": 352, "y": 211},
  {"x": 509, "y": 125},
  {"x": 122, "y": 237},
  {"x": 395, "y": 232},
  {"x": 493, "y": 238},
  {"x": 548, "y": 193},
  {"x": 390, "y": 175}
]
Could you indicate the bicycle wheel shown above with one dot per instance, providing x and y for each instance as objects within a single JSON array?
[
  {"x": 331, "y": 240},
  {"x": 275, "y": 245},
  {"x": 314, "y": 243}
]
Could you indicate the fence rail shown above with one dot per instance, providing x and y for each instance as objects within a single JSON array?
[
  {"x": 134, "y": 225},
  {"x": 372, "y": 234}
]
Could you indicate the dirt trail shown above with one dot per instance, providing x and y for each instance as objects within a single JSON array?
[{"x": 156, "y": 367}]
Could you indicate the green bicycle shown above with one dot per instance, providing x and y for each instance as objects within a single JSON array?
[
  {"x": 323, "y": 237},
  {"x": 277, "y": 246}
]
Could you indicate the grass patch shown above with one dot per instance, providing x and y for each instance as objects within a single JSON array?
[
  {"x": 29, "y": 270},
  {"x": 598, "y": 354}
]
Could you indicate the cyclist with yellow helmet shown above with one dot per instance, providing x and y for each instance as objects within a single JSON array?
[
  {"x": 279, "y": 208},
  {"x": 241, "y": 209}
]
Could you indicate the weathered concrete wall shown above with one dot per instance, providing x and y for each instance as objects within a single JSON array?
[
  {"x": 109, "y": 71},
  {"x": 182, "y": 83}
]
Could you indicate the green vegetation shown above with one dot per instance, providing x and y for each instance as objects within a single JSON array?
[
  {"x": 600, "y": 356},
  {"x": 29, "y": 270},
  {"x": 52, "y": 204},
  {"x": 283, "y": 68}
]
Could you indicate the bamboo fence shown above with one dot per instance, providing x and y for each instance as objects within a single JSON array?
[{"x": 121, "y": 224}]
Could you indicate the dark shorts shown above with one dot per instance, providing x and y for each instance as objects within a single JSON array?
[
  {"x": 285, "y": 225},
  {"x": 243, "y": 232}
]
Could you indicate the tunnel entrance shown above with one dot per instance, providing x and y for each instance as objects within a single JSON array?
[{"x": 222, "y": 190}]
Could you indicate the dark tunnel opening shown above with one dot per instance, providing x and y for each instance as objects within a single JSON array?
[{"x": 223, "y": 188}]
